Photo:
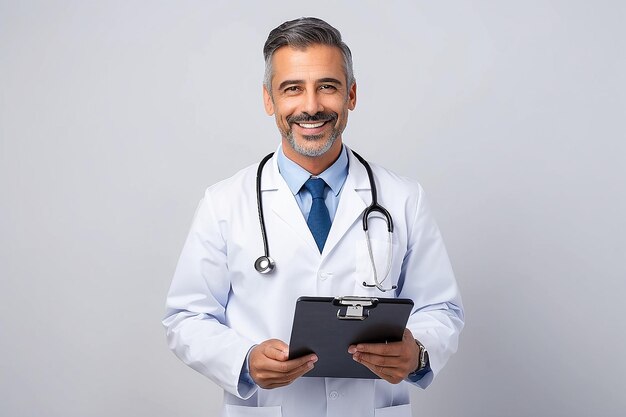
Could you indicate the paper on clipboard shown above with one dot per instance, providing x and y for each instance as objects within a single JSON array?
[{"x": 326, "y": 326}]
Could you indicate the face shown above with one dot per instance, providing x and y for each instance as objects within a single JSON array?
[{"x": 310, "y": 99}]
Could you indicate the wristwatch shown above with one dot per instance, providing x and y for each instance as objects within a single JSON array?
[{"x": 422, "y": 359}]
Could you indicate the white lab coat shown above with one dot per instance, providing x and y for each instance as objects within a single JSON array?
[{"x": 219, "y": 306}]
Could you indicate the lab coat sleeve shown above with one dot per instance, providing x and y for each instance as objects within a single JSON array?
[
  {"x": 195, "y": 307},
  {"x": 427, "y": 278}
]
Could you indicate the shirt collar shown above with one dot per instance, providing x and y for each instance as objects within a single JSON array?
[{"x": 295, "y": 176}]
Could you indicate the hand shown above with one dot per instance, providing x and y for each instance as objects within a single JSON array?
[
  {"x": 269, "y": 367},
  {"x": 392, "y": 362}
]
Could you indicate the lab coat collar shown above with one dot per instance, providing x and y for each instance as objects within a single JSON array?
[
  {"x": 272, "y": 180},
  {"x": 349, "y": 210}
]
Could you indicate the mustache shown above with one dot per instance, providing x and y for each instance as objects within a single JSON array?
[{"x": 317, "y": 117}]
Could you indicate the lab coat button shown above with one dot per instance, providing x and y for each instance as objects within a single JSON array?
[
  {"x": 334, "y": 395},
  {"x": 323, "y": 276}
]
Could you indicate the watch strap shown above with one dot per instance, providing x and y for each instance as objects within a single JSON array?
[{"x": 423, "y": 361}]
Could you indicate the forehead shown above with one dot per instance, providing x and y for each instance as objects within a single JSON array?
[{"x": 311, "y": 63}]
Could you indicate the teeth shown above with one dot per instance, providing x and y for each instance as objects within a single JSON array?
[{"x": 310, "y": 125}]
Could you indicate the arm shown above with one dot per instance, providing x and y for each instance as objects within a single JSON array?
[
  {"x": 195, "y": 307},
  {"x": 427, "y": 278},
  {"x": 437, "y": 318},
  {"x": 195, "y": 319}
]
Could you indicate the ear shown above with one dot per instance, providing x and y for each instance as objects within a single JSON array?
[
  {"x": 268, "y": 102},
  {"x": 352, "y": 97}
]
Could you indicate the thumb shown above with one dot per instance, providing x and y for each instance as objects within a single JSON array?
[{"x": 277, "y": 350}]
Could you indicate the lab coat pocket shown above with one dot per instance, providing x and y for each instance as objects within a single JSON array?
[
  {"x": 403, "y": 410},
  {"x": 382, "y": 254},
  {"x": 242, "y": 411}
]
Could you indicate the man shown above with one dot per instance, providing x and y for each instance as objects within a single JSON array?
[{"x": 231, "y": 323}]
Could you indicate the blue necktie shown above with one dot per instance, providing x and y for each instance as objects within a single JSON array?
[{"x": 319, "y": 219}]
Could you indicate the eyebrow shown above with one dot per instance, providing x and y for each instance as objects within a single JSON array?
[
  {"x": 329, "y": 80},
  {"x": 298, "y": 82}
]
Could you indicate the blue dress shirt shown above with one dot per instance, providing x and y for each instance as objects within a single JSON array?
[{"x": 295, "y": 176}]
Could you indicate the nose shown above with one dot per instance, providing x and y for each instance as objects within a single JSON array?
[{"x": 312, "y": 103}]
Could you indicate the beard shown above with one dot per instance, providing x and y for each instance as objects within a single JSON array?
[{"x": 311, "y": 146}]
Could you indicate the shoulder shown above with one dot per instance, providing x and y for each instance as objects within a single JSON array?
[
  {"x": 384, "y": 177},
  {"x": 390, "y": 177},
  {"x": 241, "y": 177},
  {"x": 390, "y": 184},
  {"x": 233, "y": 190}
]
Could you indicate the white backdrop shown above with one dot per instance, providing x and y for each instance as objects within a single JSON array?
[{"x": 115, "y": 115}]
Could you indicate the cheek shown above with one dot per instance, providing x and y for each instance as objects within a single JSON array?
[
  {"x": 342, "y": 116},
  {"x": 282, "y": 120},
  {"x": 339, "y": 106},
  {"x": 282, "y": 115},
  {"x": 283, "y": 126}
]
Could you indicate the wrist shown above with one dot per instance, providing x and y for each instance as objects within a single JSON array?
[{"x": 422, "y": 358}]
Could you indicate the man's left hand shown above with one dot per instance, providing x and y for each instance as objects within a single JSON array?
[{"x": 392, "y": 362}]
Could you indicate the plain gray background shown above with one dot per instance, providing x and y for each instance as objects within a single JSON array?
[{"x": 115, "y": 115}]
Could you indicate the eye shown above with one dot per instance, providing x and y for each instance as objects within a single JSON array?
[
  {"x": 328, "y": 87},
  {"x": 292, "y": 89}
]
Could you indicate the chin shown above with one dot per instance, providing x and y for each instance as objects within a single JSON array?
[{"x": 311, "y": 147}]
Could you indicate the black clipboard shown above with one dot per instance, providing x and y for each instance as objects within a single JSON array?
[{"x": 326, "y": 326}]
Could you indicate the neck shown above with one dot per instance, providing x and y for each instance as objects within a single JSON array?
[{"x": 314, "y": 164}]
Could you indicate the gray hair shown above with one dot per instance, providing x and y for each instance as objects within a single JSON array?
[{"x": 301, "y": 33}]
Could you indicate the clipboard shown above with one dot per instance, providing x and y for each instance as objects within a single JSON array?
[{"x": 327, "y": 326}]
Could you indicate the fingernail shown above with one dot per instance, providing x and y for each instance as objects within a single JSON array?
[
  {"x": 310, "y": 365},
  {"x": 356, "y": 358},
  {"x": 351, "y": 349},
  {"x": 314, "y": 359}
]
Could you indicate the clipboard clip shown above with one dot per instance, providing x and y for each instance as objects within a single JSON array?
[{"x": 354, "y": 308}]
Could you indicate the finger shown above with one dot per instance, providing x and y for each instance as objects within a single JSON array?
[
  {"x": 393, "y": 375},
  {"x": 273, "y": 379},
  {"x": 387, "y": 348},
  {"x": 277, "y": 350},
  {"x": 278, "y": 344},
  {"x": 407, "y": 335},
  {"x": 379, "y": 360},
  {"x": 383, "y": 349},
  {"x": 297, "y": 362},
  {"x": 289, "y": 366},
  {"x": 276, "y": 368},
  {"x": 297, "y": 372}
]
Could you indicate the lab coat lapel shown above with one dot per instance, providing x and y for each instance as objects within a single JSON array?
[
  {"x": 351, "y": 203},
  {"x": 284, "y": 205}
]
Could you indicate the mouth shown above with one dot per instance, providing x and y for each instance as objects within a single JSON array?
[
  {"x": 311, "y": 125},
  {"x": 311, "y": 130}
]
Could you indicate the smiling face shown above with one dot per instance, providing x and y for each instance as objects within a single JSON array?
[{"x": 310, "y": 100}]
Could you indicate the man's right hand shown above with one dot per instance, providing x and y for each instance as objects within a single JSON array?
[{"x": 269, "y": 367}]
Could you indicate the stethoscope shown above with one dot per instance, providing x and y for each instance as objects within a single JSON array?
[{"x": 265, "y": 264}]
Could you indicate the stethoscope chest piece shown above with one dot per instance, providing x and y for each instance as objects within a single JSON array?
[{"x": 264, "y": 264}]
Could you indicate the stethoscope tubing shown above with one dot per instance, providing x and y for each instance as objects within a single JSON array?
[
  {"x": 374, "y": 206},
  {"x": 265, "y": 264}
]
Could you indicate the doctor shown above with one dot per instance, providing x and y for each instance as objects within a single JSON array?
[{"x": 231, "y": 323}]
